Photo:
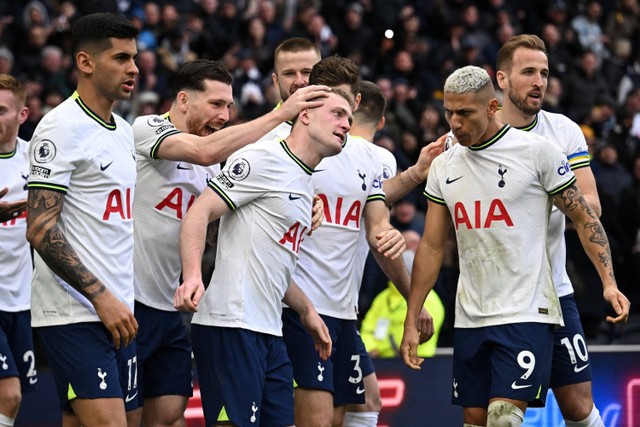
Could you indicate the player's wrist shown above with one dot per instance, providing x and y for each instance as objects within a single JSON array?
[{"x": 415, "y": 176}]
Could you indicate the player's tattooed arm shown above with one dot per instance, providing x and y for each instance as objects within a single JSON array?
[
  {"x": 572, "y": 200},
  {"x": 52, "y": 245},
  {"x": 596, "y": 245}
]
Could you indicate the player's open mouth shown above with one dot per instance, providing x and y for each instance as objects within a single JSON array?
[{"x": 129, "y": 84}]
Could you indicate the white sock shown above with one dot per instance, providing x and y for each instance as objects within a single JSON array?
[
  {"x": 501, "y": 413},
  {"x": 593, "y": 420},
  {"x": 360, "y": 419},
  {"x": 6, "y": 421}
]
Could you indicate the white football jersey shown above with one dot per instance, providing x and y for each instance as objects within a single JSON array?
[
  {"x": 15, "y": 255},
  {"x": 569, "y": 138},
  {"x": 270, "y": 194},
  {"x": 92, "y": 163},
  {"x": 329, "y": 265},
  {"x": 389, "y": 170},
  {"x": 164, "y": 191},
  {"x": 280, "y": 132},
  {"x": 499, "y": 198}
]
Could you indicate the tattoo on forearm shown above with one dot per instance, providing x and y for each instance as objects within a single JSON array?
[
  {"x": 54, "y": 248},
  {"x": 599, "y": 237},
  {"x": 572, "y": 199},
  {"x": 604, "y": 259}
]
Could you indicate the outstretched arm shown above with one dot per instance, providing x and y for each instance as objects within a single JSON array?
[
  {"x": 193, "y": 231},
  {"x": 218, "y": 146},
  {"x": 400, "y": 185},
  {"x": 298, "y": 301},
  {"x": 596, "y": 244},
  {"x": 381, "y": 234},
  {"x": 52, "y": 245},
  {"x": 426, "y": 266}
]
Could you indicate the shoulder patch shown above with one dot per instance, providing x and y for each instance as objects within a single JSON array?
[
  {"x": 386, "y": 172},
  {"x": 44, "y": 151},
  {"x": 239, "y": 169},
  {"x": 155, "y": 121}
]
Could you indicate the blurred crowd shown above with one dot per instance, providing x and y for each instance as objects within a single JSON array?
[{"x": 408, "y": 48}]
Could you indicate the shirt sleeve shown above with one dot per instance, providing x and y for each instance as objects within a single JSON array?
[{"x": 245, "y": 177}]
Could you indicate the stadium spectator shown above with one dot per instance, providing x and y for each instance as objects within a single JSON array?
[
  {"x": 589, "y": 32},
  {"x": 354, "y": 35},
  {"x": 6, "y": 61},
  {"x": 583, "y": 87}
]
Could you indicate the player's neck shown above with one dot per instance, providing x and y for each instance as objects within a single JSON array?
[
  {"x": 304, "y": 149},
  {"x": 509, "y": 113},
  {"x": 9, "y": 144},
  {"x": 93, "y": 99},
  {"x": 494, "y": 126},
  {"x": 364, "y": 132},
  {"x": 177, "y": 118}
]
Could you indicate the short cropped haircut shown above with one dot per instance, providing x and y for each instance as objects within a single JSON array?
[
  {"x": 192, "y": 75},
  {"x": 469, "y": 79},
  {"x": 527, "y": 41},
  {"x": 94, "y": 31},
  {"x": 13, "y": 85},
  {"x": 335, "y": 71},
  {"x": 295, "y": 44},
  {"x": 372, "y": 103}
]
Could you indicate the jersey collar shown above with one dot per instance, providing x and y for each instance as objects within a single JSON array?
[
  {"x": 531, "y": 125},
  {"x": 488, "y": 143},
  {"x": 295, "y": 158},
  {"x": 90, "y": 113}
]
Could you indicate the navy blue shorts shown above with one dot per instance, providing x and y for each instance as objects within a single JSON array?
[
  {"x": 164, "y": 353},
  {"x": 366, "y": 364},
  {"x": 571, "y": 363},
  {"x": 245, "y": 377},
  {"x": 341, "y": 374},
  {"x": 84, "y": 364},
  {"x": 510, "y": 361},
  {"x": 17, "y": 358}
]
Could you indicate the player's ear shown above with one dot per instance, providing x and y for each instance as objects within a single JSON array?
[
  {"x": 501, "y": 78},
  {"x": 492, "y": 107},
  {"x": 183, "y": 100},
  {"x": 381, "y": 123},
  {"x": 303, "y": 116},
  {"x": 24, "y": 113},
  {"x": 84, "y": 62},
  {"x": 356, "y": 102}
]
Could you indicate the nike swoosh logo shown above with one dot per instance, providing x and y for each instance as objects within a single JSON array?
[
  {"x": 449, "y": 180},
  {"x": 360, "y": 390},
  {"x": 292, "y": 197},
  {"x": 185, "y": 168},
  {"x": 580, "y": 369},
  {"x": 518, "y": 387},
  {"x": 104, "y": 167},
  {"x": 128, "y": 398},
  {"x": 33, "y": 380}
]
